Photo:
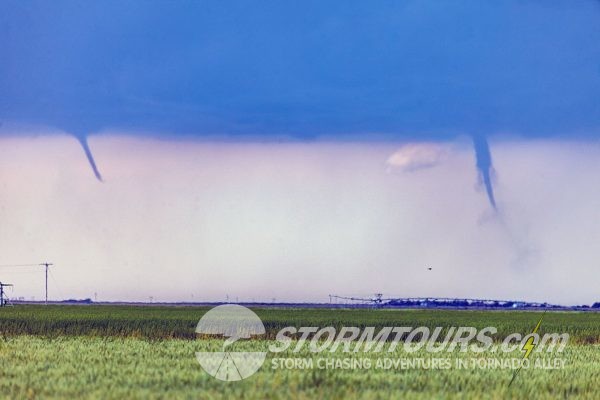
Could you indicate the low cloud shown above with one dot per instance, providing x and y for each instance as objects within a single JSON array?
[{"x": 416, "y": 156}]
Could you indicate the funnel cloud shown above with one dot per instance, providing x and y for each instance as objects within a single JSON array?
[
  {"x": 483, "y": 159},
  {"x": 90, "y": 157}
]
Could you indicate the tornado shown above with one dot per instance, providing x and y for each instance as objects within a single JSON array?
[
  {"x": 90, "y": 157},
  {"x": 484, "y": 165}
]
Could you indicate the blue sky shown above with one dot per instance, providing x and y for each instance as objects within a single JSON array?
[{"x": 421, "y": 69}]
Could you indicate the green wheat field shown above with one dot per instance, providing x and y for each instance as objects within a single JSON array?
[{"x": 130, "y": 352}]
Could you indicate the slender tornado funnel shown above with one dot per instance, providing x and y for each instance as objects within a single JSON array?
[
  {"x": 90, "y": 157},
  {"x": 483, "y": 159}
]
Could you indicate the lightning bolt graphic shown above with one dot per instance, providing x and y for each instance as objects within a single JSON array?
[{"x": 528, "y": 348}]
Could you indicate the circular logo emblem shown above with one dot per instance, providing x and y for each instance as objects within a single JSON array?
[{"x": 231, "y": 322}]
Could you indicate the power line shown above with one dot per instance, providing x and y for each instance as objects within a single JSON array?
[
  {"x": 46, "y": 264},
  {"x": 19, "y": 265},
  {"x": 22, "y": 272}
]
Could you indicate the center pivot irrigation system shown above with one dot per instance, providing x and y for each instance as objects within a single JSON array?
[
  {"x": 3, "y": 298},
  {"x": 378, "y": 301}
]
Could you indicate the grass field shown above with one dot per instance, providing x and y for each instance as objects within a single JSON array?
[{"x": 148, "y": 352}]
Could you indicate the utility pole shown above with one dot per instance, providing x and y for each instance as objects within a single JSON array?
[
  {"x": 3, "y": 297},
  {"x": 46, "y": 264}
]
